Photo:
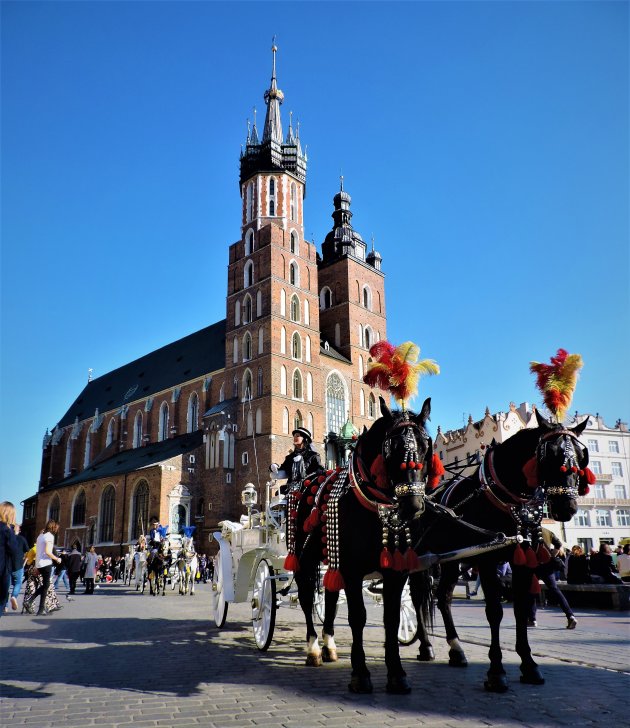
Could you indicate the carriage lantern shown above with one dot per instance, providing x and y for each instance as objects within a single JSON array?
[{"x": 249, "y": 498}]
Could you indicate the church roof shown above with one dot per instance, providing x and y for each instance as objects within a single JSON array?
[
  {"x": 326, "y": 349},
  {"x": 180, "y": 361},
  {"x": 128, "y": 461}
]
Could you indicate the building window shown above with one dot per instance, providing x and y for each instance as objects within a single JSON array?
[
  {"x": 294, "y": 243},
  {"x": 285, "y": 421},
  {"x": 110, "y": 433},
  {"x": 261, "y": 340},
  {"x": 247, "y": 309},
  {"x": 295, "y": 309},
  {"x": 623, "y": 517},
  {"x": 296, "y": 346},
  {"x": 581, "y": 518},
  {"x": 613, "y": 446},
  {"x": 258, "y": 421},
  {"x": 368, "y": 337},
  {"x": 88, "y": 449},
  {"x": 78, "y": 509},
  {"x": 620, "y": 492},
  {"x": 293, "y": 210},
  {"x": 250, "y": 425},
  {"x": 163, "y": 426},
  {"x": 367, "y": 298},
  {"x": 596, "y": 467},
  {"x": 371, "y": 406},
  {"x": 259, "y": 382},
  {"x": 325, "y": 298},
  {"x": 200, "y": 508},
  {"x": 248, "y": 274},
  {"x": 283, "y": 380},
  {"x": 245, "y": 457},
  {"x": 593, "y": 446},
  {"x": 247, "y": 385},
  {"x": 137, "y": 430},
  {"x": 617, "y": 470},
  {"x": 297, "y": 385},
  {"x": 272, "y": 196},
  {"x": 68, "y": 463},
  {"x": 599, "y": 491},
  {"x": 249, "y": 242},
  {"x": 294, "y": 274},
  {"x": 108, "y": 511},
  {"x": 249, "y": 207},
  {"x": 602, "y": 517},
  {"x": 309, "y": 387},
  {"x": 297, "y": 420},
  {"x": 53, "y": 509},
  {"x": 259, "y": 303},
  {"x": 192, "y": 417},
  {"x": 247, "y": 347},
  {"x": 335, "y": 403},
  {"x": 140, "y": 510},
  {"x": 235, "y": 351}
]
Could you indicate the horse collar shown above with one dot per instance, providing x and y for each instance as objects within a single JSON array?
[{"x": 490, "y": 483}]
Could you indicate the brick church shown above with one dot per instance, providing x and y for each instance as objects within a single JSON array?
[{"x": 178, "y": 433}]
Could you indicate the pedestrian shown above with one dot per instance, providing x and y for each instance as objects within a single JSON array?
[
  {"x": 577, "y": 567},
  {"x": 116, "y": 568},
  {"x": 91, "y": 567},
  {"x": 201, "y": 573},
  {"x": 547, "y": 574},
  {"x": 623, "y": 563},
  {"x": 61, "y": 574},
  {"x": 45, "y": 557},
  {"x": 17, "y": 575},
  {"x": 73, "y": 566},
  {"x": 602, "y": 568},
  {"x": 8, "y": 549}
]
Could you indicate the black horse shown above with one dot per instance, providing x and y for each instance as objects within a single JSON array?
[
  {"x": 157, "y": 569},
  {"x": 505, "y": 495},
  {"x": 337, "y": 519}
]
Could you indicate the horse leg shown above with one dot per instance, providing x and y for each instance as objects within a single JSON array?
[
  {"x": 445, "y": 589},
  {"x": 360, "y": 681},
  {"x": 305, "y": 580},
  {"x": 393, "y": 583},
  {"x": 521, "y": 584},
  {"x": 420, "y": 591},
  {"x": 496, "y": 680},
  {"x": 192, "y": 581},
  {"x": 329, "y": 648}
]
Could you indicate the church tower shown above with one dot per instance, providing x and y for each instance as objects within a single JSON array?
[{"x": 272, "y": 366}]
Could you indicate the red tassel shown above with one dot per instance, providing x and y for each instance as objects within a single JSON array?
[
  {"x": 399, "y": 561},
  {"x": 411, "y": 557},
  {"x": 333, "y": 581},
  {"x": 519, "y": 556},
  {"x": 590, "y": 476},
  {"x": 291, "y": 563},
  {"x": 378, "y": 472},
  {"x": 312, "y": 521},
  {"x": 386, "y": 559},
  {"x": 530, "y": 471},
  {"x": 530, "y": 558},
  {"x": 543, "y": 554},
  {"x": 535, "y": 587}
]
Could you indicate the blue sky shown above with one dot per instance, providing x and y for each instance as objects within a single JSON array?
[{"x": 485, "y": 146}]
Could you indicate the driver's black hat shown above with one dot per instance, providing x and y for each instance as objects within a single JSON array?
[{"x": 304, "y": 432}]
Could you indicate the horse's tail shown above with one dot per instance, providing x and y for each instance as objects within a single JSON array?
[{"x": 421, "y": 590}]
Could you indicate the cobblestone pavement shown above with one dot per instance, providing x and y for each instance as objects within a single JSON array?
[{"x": 118, "y": 658}]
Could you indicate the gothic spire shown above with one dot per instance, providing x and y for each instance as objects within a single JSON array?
[{"x": 273, "y": 98}]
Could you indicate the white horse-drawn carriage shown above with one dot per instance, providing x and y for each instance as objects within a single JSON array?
[{"x": 250, "y": 565}]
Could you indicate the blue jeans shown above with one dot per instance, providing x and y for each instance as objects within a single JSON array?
[
  {"x": 5, "y": 587},
  {"x": 63, "y": 575},
  {"x": 16, "y": 582}
]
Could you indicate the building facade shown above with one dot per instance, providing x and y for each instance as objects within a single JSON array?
[
  {"x": 604, "y": 514},
  {"x": 178, "y": 433}
]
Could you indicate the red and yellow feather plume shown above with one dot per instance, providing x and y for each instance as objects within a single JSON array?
[
  {"x": 556, "y": 381},
  {"x": 397, "y": 369}
]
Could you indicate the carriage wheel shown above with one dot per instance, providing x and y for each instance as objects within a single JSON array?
[
  {"x": 408, "y": 628},
  {"x": 264, "y": 605},
  {"x": 219, "y": 605}
]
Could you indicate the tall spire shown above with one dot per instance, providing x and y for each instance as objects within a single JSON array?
[{"x": 273, "y": 98}]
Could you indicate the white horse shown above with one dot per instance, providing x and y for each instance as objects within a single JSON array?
[
  {"x": 140, "y": 565},
  {"x": 187, "y": 565},
  {"x": 128, "y": 566}
]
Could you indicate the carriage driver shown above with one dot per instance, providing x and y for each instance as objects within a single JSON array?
[
  {"x": 300, "y": 464},
  {"x": 155, "y": 536}
]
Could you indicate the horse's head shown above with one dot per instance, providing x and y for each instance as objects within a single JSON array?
[
  {"x": 561, "y": 460},
  {"x": 397, "y": 450}
]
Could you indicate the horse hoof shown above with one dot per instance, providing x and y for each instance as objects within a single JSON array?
[
  {"x": 360, "y": 685},
  {"x": 533, "y": 676},
  {"x": 426, "y": 654},
  {"x": 457, "y": 659},
  {"x": 313, "y": 660},
  {"x": 496, "y": 684},
  {"x": 329, "y": 655},
  {"x": 398, "y": 686}
]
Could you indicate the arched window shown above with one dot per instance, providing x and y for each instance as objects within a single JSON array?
[
  {"x": 371, "y": 406},
  {"x": 247, "y": 346},
  {"x": 248, "y": 274},
  {"x": 249, "y": 206},
  {"x": 192, "y": 416},
  {"x": 68, "y": 463},
  {"x": 259, "y": 303},
  {"x": 53, "y": 509},
  {"x": 283, "y": 380},
  {"x": 110, "y": 433},
  {"x": 108, "y": 511},
  {"x": 293, "y": 201},
  {"x": 235, "y": 351},
  {"x": 295, "y": 308},
  {"x": 237, "y": 313},
  {"x": 249, "y": 242},
  {"x": 259, "y": 389},
  {"x": 137, "y": 429},
  {"x": 248, "y": 392},
  {"x": 294, "y": 242},
  {"x": 367, "y": 298},
  {"x": 235, "y": 386},
  {"x": 335, "y": 403},
  {"x": 222, "y": 392},
  {"x": 283, "y": 340},
  {"x": 309, "y": 387},
  {"x": 261, "y": 340},
  {"x": 360, "y": 367},
  {"x": 247, "y": 309},
  {"x": 307, "y": 348},
  {"x": 296, "y": 346},
  {"x": 307, "y": 313},
  {"x": 258, "y": 421},
  {"x": 294, "y": 274},
  {"x": 272, "y": 196},
  {"x": 285, "y": 421},
  {"x": 337, "y": 335},
  {"x": 283, "y": 302},
  {"x": 78, "y": 509},
  {"x": 368, "y": 337},
  {"x": 362, "y": 403},
  {"x": 87, "y": 453},
  {"x": 163, "y": 424},
  {"x": 325, "y": 298},
  {"x": 297, "y": 420},
  {"x": 297, "y": 384},
  {"x": 140, "y": 510}
]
